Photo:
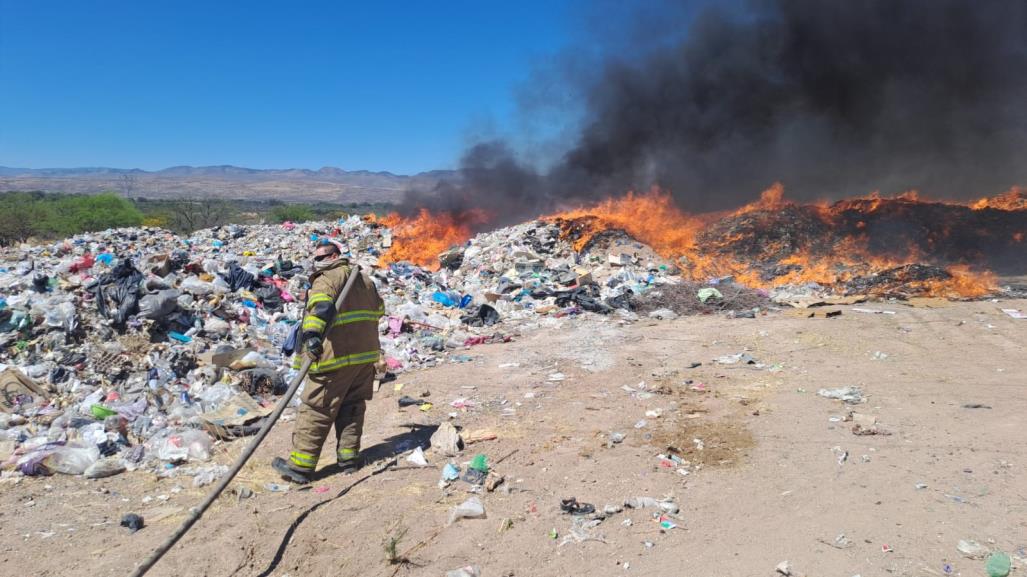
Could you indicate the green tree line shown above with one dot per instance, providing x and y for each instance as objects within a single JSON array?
[
  {"x": 25, "y": 215},
  {"x": 28, "y": 215}
]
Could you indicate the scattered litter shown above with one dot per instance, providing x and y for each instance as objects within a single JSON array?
[
  {"x": 450, "y": 472},
  {"x": 469, "y": 509},
  {"x": 850, "y": 395},
  {"x": 477, "y": 470},
  {"x": 706, "y": 293},
  {"x": 1015, "y": 313},
  {"x": 406, "y": 401},
  {"x": 479, "y": 435},
  {"x": 784, "y": 568},
  {"x": 998, "y": 565},
  {"x": 573, "y": 507},
  {"x": 742, "y": 358},
  {"x": 663, "y": 314},
  {"x": 416, "y": 458},
  {"x": 972, "y": 549},
  {"x": 872, "y": 311},
  {"x": 667, "y": 505},
  {"x": 133, "y": 522},
  {"x": 581, "y": 531},
  {"x": 446, "y": 440},
  {"x": 494, "y": 480}
]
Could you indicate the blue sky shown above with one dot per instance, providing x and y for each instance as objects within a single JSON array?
[{"x": 399, "y": 86}]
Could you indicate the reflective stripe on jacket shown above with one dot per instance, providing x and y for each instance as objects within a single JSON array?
[{"x": 352, "y": 338}]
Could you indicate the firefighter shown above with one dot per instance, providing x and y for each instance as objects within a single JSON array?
[{"x": 343, "y": 345}]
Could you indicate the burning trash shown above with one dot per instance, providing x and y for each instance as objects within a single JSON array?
[{"x": 136, "y": 348}]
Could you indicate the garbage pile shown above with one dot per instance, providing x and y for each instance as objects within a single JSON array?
[{"x": 137, "y": 349}]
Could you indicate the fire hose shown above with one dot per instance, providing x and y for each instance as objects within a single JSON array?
[{"x": 197, "y": 512}]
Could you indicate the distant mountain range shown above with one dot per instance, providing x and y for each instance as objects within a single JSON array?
[{"x": 328, "y": 184}]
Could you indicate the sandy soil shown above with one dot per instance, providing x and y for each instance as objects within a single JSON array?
[{"x": 767, "y": 486}]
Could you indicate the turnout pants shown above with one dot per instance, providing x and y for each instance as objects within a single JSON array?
[{"x": 337, "y": 398}]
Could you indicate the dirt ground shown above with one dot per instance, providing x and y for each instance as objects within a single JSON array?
[{"x": 769, "y": 483}]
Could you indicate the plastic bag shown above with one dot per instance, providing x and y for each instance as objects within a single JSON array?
[
  {"x": 667, "y": 505},
  {"x": 220, "y": 286},
  {"x": 159, "y": 305},
  {"x": 184, "y": 445},
  {"x": 31, "y": 463},
  {"x": 91, "y": 399},
  {"x": 61, "y": 316},
  {"x": 238, "y": 277},
  {"x": 208, "y": 475},
  {"x": 69, "y": 460},
  {"x": 215, "y": 395},
  {"x": 469, "y": 509},
  {"x": 446, "y": 299},
  {"x": 93, "y": 433},
  {"x": 106, "y": 467},
  {"x": 216, "y": 326},
  {"x": 194, "y": 286},
  {"x": 251, "y": 360}
]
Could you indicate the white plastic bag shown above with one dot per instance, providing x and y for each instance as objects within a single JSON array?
[
  {"x": 69, "y": 460},
  {"x": 194, "y": 286}
]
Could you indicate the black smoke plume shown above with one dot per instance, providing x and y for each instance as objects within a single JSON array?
[{"x": 832, "y": 98}]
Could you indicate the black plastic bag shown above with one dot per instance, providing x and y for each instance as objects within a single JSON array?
[
  {"x": 486, "y": 316},
  {"x": 117, "y": 293},
  {"x": 270, "y": 297},
  {"x": 237, "y": 277}
]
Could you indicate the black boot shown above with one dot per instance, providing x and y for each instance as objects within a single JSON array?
[
  {"x": 288, "y": 473},
  {"x": 350, "y": 466}
]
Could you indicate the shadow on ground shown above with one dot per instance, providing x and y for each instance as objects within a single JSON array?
[{"x": 415, "y": 436}]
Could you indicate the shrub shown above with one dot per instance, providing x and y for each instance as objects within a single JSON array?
[{"x": 291, "y": 212}]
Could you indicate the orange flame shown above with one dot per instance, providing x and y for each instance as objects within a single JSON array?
[
  {"x": 1013, "y": 199},
  {"x": 654, "y": 219},
  {"x": 420, "y": 240}
]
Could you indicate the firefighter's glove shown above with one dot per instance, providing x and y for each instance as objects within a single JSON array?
[{"x": 314, "y": 347}]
